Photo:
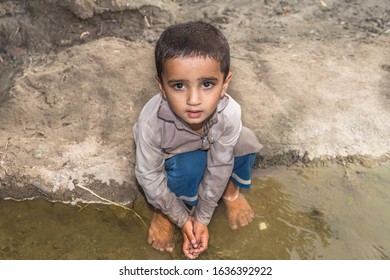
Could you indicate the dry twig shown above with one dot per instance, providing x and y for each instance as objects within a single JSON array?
[{"x": 113, "y": 203}]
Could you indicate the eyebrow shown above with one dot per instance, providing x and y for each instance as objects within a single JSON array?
[
  {"x": 176, "y": 81},
  {"x": 200, "y": 79},
  {"x": 209, "y": 78}
]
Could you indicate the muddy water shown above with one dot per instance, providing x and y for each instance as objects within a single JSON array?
[{"x": 330, "y": 212}]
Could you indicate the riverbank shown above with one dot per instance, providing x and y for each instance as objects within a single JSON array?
[{"x": 313, "y": 81}]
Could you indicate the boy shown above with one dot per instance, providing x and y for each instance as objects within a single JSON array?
[{"x": 189, "y": 137}]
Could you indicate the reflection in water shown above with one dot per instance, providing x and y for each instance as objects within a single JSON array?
[
  {"x": 301, "y": 213},
  {"x": 290, "y": 233},
  {"x": 43, "y": 230}
]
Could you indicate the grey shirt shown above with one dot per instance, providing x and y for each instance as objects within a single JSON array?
[{"x": 160, "y": 134}]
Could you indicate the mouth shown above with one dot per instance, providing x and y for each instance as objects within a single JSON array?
[{"x": 194, "y": 114}]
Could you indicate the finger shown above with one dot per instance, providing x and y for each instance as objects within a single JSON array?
[
  {"x": 203, "y": 243},
  {"x": 188, "y": 249},
  {"x": 189, "y": 253},
  {"x": 193, "y": 240}
]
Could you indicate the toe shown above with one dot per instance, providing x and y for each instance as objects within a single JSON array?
[
  {"x": 233, "y": 225},
  {"x": 150, "y": 240},
  {"x": 243, "y": 220},
  {"x": 169, "y": 248}
]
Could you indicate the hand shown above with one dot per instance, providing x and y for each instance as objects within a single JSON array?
[
  {"x": 201, "y": 236},
  {"x": 190, "y": 246}
]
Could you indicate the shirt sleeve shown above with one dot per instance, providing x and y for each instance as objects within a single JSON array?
[
  {"x": 150, "y": 174},
  {"x": 219, "y": 164}
]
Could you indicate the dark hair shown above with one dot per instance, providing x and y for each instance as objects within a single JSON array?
[{"x": 192, "y": 39}]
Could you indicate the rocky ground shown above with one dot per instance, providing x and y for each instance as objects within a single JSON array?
[{"x": 313, "y": 79}]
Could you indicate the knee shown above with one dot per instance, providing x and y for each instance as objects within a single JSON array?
[{"x": 189, "y": 166}]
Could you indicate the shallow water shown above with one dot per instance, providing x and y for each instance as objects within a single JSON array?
[{"x": 330, "y": 212}]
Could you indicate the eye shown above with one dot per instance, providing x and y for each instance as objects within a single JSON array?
[
  {"x": 178, "y": 86},
  {"x": 207, "y": 84}
]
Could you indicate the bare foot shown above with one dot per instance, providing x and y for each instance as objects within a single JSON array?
[
  {"x": 238, "y": 211},
  {"x": 161, "y": 232}
]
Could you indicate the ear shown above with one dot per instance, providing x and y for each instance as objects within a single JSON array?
[
  {"x": 226, "y": 83},
  {"x": 160, "y": 86}
]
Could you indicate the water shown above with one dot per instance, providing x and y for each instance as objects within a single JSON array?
[{"x": 330, "y": 212}]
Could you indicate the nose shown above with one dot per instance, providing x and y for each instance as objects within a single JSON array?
[{"x": 194, "y": 98}]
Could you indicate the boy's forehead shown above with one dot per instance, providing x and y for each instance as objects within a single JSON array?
[{"x": 200, "y": 63}]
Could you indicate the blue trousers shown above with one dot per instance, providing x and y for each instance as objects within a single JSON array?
[{"x": 185, "y": 172}]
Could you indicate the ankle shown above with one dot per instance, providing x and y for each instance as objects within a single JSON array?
[{"x": 232, "y": 196}]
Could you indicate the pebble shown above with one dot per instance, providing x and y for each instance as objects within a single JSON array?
[{"x": 262, "y": 226}]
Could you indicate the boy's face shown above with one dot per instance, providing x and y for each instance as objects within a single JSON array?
[{"x": 193, "y": 86}]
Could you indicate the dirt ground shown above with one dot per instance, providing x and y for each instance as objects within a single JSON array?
[{"x": 312, "y": 77}]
